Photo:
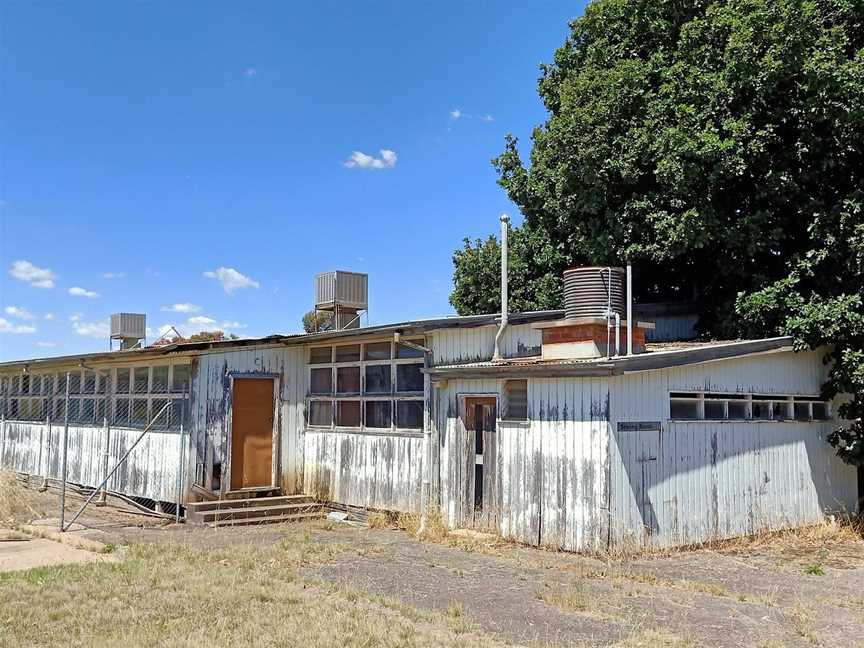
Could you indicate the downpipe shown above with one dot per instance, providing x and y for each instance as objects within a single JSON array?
[{"x": 505, "y": 228}]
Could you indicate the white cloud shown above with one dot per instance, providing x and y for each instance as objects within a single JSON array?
[
  {"x": 90, "y": 329},
  {"x": 360, "y": 160},
  {"x": 184, "y": 307},
  {"x": 231, "y": 280},
  {"x": 8, "y": 327},
  {"x": 46, "y": 345},
  {"x": 75, "y": 317},
  {"x": 455, "y": 114},
  {"x": 227, "y": 326},
  {"x": 49, "y": 316},
  {"x": 201, "y": 320},
  {"x": 113, "y": 275},
  {"x": 18, "y": 312},
  {"x": 32, "y": 275},
  {"x": 78, "y": 291},
  {"x": 487, "y": 118}
]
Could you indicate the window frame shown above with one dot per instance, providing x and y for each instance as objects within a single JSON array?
[
  {"x": 393, "y": 396},
  {"x": 96, "y": 399},
  {"x": 786, "y": 403}
]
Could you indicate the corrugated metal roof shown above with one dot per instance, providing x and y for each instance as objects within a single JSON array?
[
  {"x": 657, "y": 356},
  {"x": 409, "y": 326}
]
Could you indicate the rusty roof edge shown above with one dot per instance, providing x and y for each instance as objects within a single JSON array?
[{"x": 619, "y": 365}]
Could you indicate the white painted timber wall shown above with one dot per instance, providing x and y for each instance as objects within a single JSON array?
[
  {"x": 211, "y": 408},
  {"x": 713, "y": 480},
  {"x": 151, "y": 470},
  {"x": 460, "y": 345},
  {"x": 552, "y": 468},
  {"x": 379, "y": 471}
]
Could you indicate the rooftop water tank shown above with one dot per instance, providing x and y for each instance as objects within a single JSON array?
[{"x": 588, "y": 292}]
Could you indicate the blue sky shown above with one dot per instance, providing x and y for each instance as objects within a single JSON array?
[{"x": 203, "y": 155}]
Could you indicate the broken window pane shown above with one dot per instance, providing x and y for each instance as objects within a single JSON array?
[
  {"x": 348, "y": 380},
  {"x": 320, "y": 355},
  {"x": 378, "y": 414},
  {"x": 378, "y": 351},
  {"x": 409, "y": 378},
  {"x": 348, "y": 353},
  {"x": 321, "y": 413},
  {"x": 409, "y": 415},
  {"x": 378, "y": 379},
  {"x": 321, "y": 381},
  {"x": 348, "y": 413}
]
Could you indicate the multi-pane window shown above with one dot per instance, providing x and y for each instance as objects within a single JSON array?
[
  {"x": 707, "y": 406},
  {"x": 374, "y": 385},
  {"x": 122, "y": 396}
]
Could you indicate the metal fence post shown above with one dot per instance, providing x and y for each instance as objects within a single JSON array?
[
  {"x": 106, "y": 418},
  {"x": 64, "y": 456},
  {"x": 181, "y": 452}
]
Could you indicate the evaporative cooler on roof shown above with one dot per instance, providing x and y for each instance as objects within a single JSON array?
[{"x": 345, "y": 294}]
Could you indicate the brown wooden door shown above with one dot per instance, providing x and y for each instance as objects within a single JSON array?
[
  {"x": 252, "y": 433},
  {"x": 481, "y": 485}
]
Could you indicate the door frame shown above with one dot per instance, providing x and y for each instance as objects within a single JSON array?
[
  {"x": 229, "y": 454},
  {"x": 462, "y": 415}
]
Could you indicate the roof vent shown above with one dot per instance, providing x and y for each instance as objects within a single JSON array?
[
  {"x": 129, "y": 328},
  {"x": 593, "y": 292}
]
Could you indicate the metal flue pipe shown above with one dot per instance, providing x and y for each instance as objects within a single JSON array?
[
  {"x": 505, "y": 228},
  {"x": 629, "y": 309}
]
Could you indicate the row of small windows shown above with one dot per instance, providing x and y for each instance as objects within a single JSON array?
[
  {"x": 128, "y": 380},
  {"x": 695, "y": 406},
  {"x": 124, "y": 397}
]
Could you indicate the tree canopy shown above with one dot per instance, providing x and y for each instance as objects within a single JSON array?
[{"x": 719, "y": 146}]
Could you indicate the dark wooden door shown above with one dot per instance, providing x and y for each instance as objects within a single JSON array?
[
  {"x": 482, "y": 488},
  {"x": 252, "y": 433}
]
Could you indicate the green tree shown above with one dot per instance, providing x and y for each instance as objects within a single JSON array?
[
  {"x": 717, "y": 145},
  {"x": 317, "y": 322}
]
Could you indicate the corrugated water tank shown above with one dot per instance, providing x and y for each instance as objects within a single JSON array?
[{"x": 587, "y": 291}]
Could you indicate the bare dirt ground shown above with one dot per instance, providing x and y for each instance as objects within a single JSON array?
[{"x": 799, "y": 589}]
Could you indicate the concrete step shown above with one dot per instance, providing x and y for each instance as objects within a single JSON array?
[
  {"x": 269, "y": 519},
  {"x": 277, "y": 500}
]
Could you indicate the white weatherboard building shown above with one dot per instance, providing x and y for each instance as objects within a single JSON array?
[{"x": 558, "y": 442}]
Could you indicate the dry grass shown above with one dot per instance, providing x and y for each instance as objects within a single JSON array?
[
  {"x": 171, "y": 595},
  {"x": 570, "y": 598},
  {"x": 383, "y": 520},
  {"x": 654, "y": 638},
  {"x": 15, "y": 502},
  {"x": 802, "y": 621}
]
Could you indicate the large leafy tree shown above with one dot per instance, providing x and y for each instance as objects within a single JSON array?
[{"x": 720, "y": 147}]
